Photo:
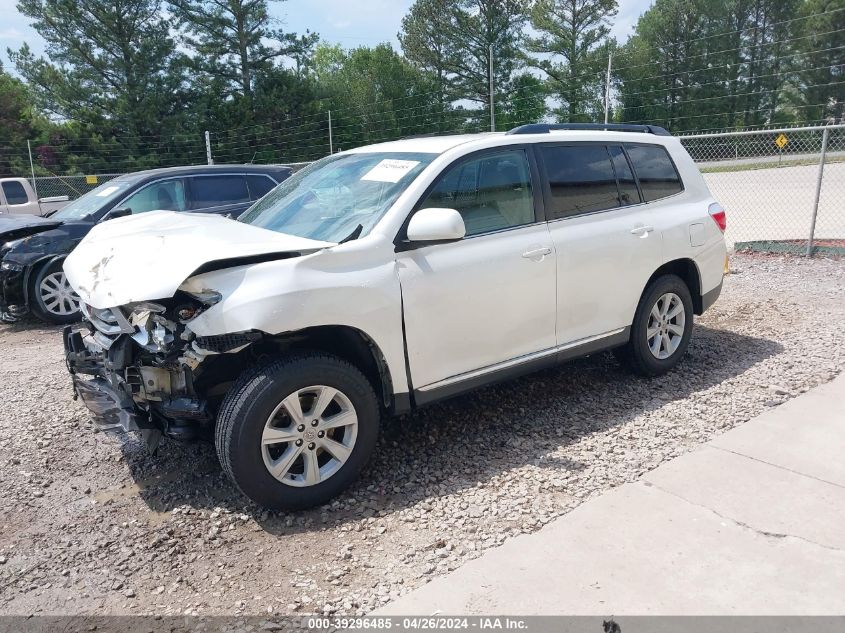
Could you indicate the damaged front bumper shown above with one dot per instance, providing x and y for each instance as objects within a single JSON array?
[
  {"x": 12, "y": 294},
  {"x": 128, "y": 388},
  {"x": 111, "y": 411}
]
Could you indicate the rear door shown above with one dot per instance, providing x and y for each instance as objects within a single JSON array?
[
  {"x": 604, "y": 237},
  {"x": 475, "y": 303},
  {"x": 218, "y": 193}
]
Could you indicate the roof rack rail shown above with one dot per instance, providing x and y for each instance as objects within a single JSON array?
[{"x": 545, "y": 128}]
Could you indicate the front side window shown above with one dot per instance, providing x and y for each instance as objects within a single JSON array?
[
  {"x": 216, "y": 191},
  {"x": 94, "y": 201},
  {"x": 15, "y": 193},
  {"x": 166, "y": 195},
  {"x": 655, "y": 171},
  {"x": 491, "y": 192},
  {"x": 330, "y": 199},
  {"x": 581, "y": 179}
]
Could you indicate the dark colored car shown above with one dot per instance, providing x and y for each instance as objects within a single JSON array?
[{"x": 32, "y": 249}]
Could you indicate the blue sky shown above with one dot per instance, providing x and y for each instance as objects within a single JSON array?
[{"x": 347, "y": 22}]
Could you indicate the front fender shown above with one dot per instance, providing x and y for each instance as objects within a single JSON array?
[{"x": 329, "y": 288}]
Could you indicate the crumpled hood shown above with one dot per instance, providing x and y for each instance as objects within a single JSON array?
[
  {"x": 148, "y": 256},
  {"x": 15, "y": 226}
]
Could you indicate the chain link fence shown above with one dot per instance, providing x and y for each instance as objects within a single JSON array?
[
  {"x": 70, "y": 186},
  {"x": 783, "y": 189}
]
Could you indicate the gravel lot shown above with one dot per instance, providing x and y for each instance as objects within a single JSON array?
[{"x": 93, "y": 525}]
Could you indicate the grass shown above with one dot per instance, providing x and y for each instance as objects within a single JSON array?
[{"x": 770, "y": 165}]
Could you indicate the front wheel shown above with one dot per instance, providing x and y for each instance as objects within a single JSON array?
[
  {"x": 661, "y": 329},
  {"x": 51, "y": 296},
  {"x": 295, "y": 433}
]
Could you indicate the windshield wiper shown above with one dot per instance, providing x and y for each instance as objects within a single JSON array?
[{"x": 354, "y": 235}]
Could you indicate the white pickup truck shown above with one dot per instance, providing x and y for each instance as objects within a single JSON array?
[{"x": 17, "y": 196}]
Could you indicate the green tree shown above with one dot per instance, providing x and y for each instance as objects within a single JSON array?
[
  {"x": 704, "y": 64},
  {"x": 572, "y": 36},
  {"x": 112, "y": 65},
  {"x": 820, "y": 86},
  {"x": 474, "y": 26},
  {"x": 374, "y": 95},
  {"x": 18, "y": 123},
  {"x": 426, "y": 43},
  {"x": 233, "y": 40},
  {"x": 525, "y": 103},
  {"x": 280, "y": 123}
]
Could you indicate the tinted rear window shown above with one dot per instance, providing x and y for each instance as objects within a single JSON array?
[
  {"x": 216, "y": 191},
  {"x": 628, "y": 193},
  {"x": 259, "y": 186},
  {"x": 581, "y": 179},
  {"x": 657, "y": 175},
  {"x": 15, "y": 193}
]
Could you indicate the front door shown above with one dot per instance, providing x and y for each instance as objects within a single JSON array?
[{"x": 489, "y": 298}]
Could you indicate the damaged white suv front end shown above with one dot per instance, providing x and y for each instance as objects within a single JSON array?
[{"x": 140, "y": 356}]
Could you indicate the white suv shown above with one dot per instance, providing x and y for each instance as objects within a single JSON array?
[{"x": 385, "y": 278}]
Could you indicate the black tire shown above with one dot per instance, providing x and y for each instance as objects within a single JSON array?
[
  {"x": 252, "y": 400},
  {"x": 636, "y": 354},
  {"x": 36, "y": 300}
]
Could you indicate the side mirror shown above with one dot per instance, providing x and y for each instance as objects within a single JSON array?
[
  {"x": 116, "y": 213},
  {"x": 436, "y": 225}
]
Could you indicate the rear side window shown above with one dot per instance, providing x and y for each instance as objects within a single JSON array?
[
  {"x": 259, "y": 186},
  {"x": 628, "y": 193},
  {"x": 217, "y": 191},
  {"x": 15, "y": 193},
  {"x": 581, "y": 179},
  {"x": 655, "y": 171}
]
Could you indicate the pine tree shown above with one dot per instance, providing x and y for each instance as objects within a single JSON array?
[{"x": 573, "y": 34}]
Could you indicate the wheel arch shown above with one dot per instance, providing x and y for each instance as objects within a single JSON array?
[
  {"x": 350, "y": 344},
  {"x": 687, "y": 270}
]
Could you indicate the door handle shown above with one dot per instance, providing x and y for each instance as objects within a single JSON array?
[
  {"x": 537, "y": 252},
  {"x": 642, "y": 231}
]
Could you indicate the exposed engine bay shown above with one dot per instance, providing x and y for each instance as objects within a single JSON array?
[{"x": 139, "y": 367}]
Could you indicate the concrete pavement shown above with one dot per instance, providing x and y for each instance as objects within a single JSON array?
[{"x": 751, "y": 523}]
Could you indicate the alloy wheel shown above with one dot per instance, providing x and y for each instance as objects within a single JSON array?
[
  {"x": 309, "y": 436},
  {"x": 666, "y": 324}
]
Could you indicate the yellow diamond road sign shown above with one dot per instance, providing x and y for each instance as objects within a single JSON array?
[{"x": 781, "y": 141}]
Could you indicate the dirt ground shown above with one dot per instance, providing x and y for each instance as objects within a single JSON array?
[{"x": 92, "y": 523}]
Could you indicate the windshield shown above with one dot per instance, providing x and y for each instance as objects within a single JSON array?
[
  {"x": 92, "y": 201},
  {"x": 329, "y": 199}
]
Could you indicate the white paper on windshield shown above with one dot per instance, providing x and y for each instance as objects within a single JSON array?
[
  {"x": 107, "y": 192},
  {"x": 390, "y": 170}
]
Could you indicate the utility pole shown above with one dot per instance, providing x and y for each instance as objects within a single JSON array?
[
  {"x": 32, "y": 169},
  {"x": 492, "y": 107},
  {"x": 607, "y": 86},
  {"x": 331, "y": 147},
  {"x": 208, "y": 148}
]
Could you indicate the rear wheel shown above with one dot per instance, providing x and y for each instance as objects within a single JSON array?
[
  {"x": 295, "y": 433},
  {"x": 661, "y": 329},
  {"x": 51, "y": 296}
]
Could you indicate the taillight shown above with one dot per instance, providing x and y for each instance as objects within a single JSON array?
[{"x": 718, "y": 214}]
